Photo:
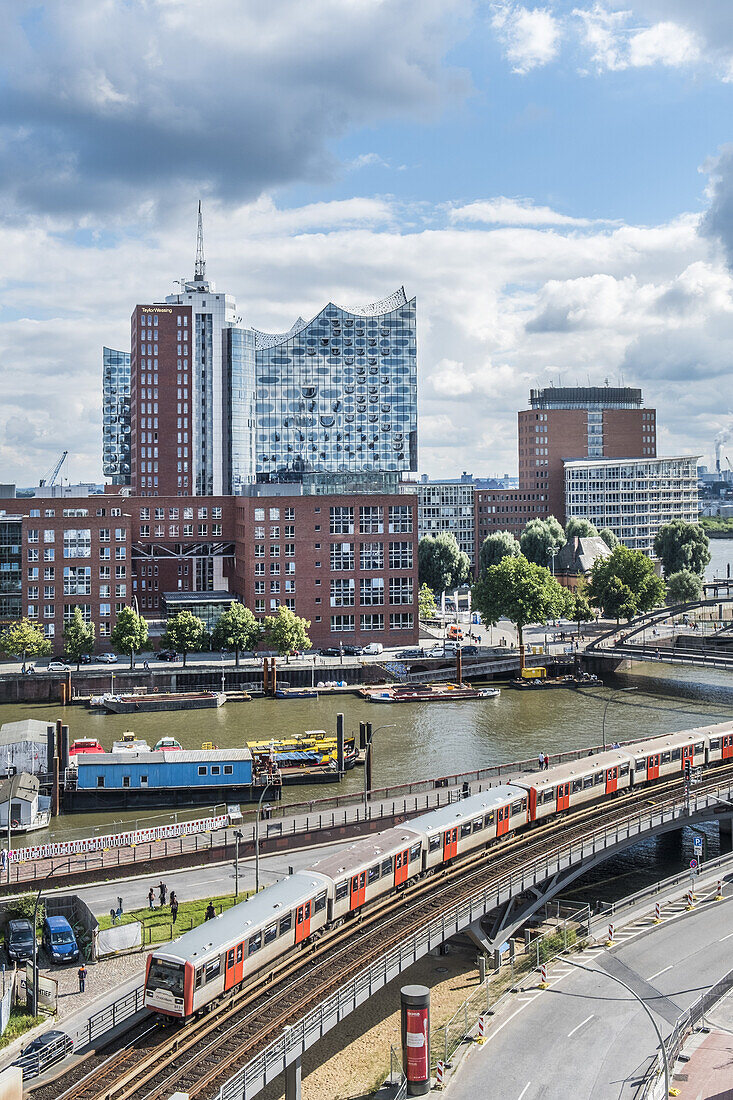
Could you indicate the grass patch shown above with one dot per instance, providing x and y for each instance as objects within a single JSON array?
[
  {"x": 20, "y": 1022},
  {"x": 157, "y": 924}
]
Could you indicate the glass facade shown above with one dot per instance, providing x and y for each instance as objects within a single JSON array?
[
  {"x": 116, "y": 416},
  {"x": 240, "y": 360},
  {"x": 338, "y": 394},
  {"x": 11, "y": 567}
]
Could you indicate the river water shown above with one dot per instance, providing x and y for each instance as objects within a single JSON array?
[{"x": 424, "y": 740}]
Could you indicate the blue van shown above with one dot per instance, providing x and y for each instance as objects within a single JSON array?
[{"x": 59, "y": 940}]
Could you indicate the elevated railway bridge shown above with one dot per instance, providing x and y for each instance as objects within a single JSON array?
[{"x": 262, "y": 1029}]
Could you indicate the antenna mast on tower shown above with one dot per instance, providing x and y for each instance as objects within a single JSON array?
[{"x": 200, "y": 268}]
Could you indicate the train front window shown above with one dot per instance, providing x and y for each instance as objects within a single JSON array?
[{"x": 166, "y": 975}]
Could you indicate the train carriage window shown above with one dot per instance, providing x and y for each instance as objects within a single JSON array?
[
  {"x": 598, "y": 777},
  {"x": 666, "y": 757},
  {"x": 624, "y": 769},
  {"x": 230, "y": 959},
  {"x": 640, "y": 764},
  {"x": 577, "y": 784},
  {"x": 516, "y": 807},
  {"x": 387, "y": 866},
  {"x": 714, "y": 742},
  {"x": 287, "y": 923},
  {"x": 489, "y": 817},
  {"x": 434, "y": 842},
  {"x": 240, "y": 952},
  {"x": 199, "y": 977},
  {"x": 213, "y": 969},
  {"x": 549, "y": 795},
  {"x": 374, "y": 873},
  {"x": 342, "y": 890},
  {"x": 699, "y": 748},
  {"x": 415, "y": 852},
  {"x": 587, "y": 782},
  {"x": 271, "y": 933},
  {"x": 320, "y": 902},
  {"x": 466, "y": 828},
  {"x": 478, "y": 824},
  {"x": 255, "y": 943}
]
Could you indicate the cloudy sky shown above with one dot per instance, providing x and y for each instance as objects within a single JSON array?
[{"x": 553, "y": 182}]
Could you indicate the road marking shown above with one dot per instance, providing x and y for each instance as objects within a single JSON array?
[
  {"x": 524, "y": 1090},
  {"x": 728, "y": 936},
  {"x": 653, "y": 976},
  {"x": 570, "y": 1033}
]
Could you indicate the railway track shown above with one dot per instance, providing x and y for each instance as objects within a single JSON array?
[{"x": 199, "y": 1056}]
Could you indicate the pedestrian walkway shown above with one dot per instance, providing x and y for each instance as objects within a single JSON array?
[{"x": 707, "y": 1070}]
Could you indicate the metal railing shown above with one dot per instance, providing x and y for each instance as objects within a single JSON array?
[
  {"x": 296, "y": 1039},
  {"x": 611, "y": 909}
]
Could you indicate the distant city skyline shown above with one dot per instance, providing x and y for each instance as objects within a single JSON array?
[{"x": 552, "y": 183}]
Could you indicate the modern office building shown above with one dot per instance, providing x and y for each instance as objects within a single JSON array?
[
  {"x": 635, "y": 497},
  {"x": 11, "y": 567},
  {"x": 448, "y": 505},
  {"x": 116, "y": 416}
]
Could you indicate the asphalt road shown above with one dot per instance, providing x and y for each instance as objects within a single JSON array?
[{"x": 585, "y": 1036}]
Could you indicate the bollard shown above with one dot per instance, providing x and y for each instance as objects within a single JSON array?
[
  {"x": 610, "y": 935},
  {"x": 482, "y": 1028},
  {"x": 439, "y": 1074},
  {"x": 719, "y": 894},
  {"x": 690, "y": 900},
  {"x": 657, "y": 913},
  {"x": 543, "y": 976}
]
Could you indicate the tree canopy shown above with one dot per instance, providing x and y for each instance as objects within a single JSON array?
[
  {"x": 578, "y": 607},
  {"x": 538, "y": 537},
  {"x": 441, "y": 564},
  {"x": 625, "y": 584},
  {"x": 285, "y": 631},
  {"x": 237, "y": 629},
  {"x": 24, "y": 639},
  {"x": 611, "y": 540},
  {"x": 681, "y": 545},
  {"x": 683, "y": 586},
  {"x": 78, "y": 637},
  {"x": 520, "y": 591},
  {"x": 426, "y": 602},
  {"x": 185, "y": 632},
  {"x": 500, "y": 544},
  {"x": 580, "y": 527},
  {"x": 130, "y": 633}
]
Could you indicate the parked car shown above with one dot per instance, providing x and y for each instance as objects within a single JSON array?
[
  {"x": 469, "y": 650},
  {"x": 19, "y": 940},
  {"x": 373, "y": 649},
  {"x": 166, "y": 655},
  {"x": 59, "y": 940},
  {"x": 407, "y": 654},
  {"x": 108, "y": 658},
  {"x": 332, "y": 651},
  {"x": 448, "y": 650},
  {"x": 58, "y": 666},
  {"x": 43, "y": 1051},
  {"x": 353, "y": 651}
]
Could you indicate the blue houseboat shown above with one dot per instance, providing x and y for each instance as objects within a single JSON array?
[{"x": 128, "y": 780}]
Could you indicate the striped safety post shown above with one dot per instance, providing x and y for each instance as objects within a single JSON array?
[
  {"x": 440, "y": 1074},
  {"x": 690, "y": 899},
  {"x": 482, "y": 1028},
  {"x": 543, "y": 974},
  {"x": 657, "y": 913},
  {"x": 719, "y": 894},
  {"x": 610, "y": 933}
]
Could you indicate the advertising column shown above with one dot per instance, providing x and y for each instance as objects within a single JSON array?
[{"x": 415, "y": 1000}]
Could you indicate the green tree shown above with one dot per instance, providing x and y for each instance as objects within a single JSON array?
[
  {"x": 186, "y": 633},
  {"x": 580, "y": 527},
  {"x": 520, "y": 591},
  {"x": 285, "y": 631},
  {"x": 130, "y": 633},
  {"x": 24, "y": 639},
  {"x": 624, "y": 584},
  {"x": 441, "y": 564},
  {"x": 611, "y": 540},
  {"x": 681, "y": 545},
  {"x": 236, "y": 629},
  {"x": 426, "y": 602},
  {"x": 78, "y": 637},
  {"x": 579, "y": 608},
  {"x": 539, "y": 536},
  {"x": 500, "y": 544},
  {"x": 683, "y": 586}
]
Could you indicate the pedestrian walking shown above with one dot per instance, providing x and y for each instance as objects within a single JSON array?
[
  {"x": 163, "y": 892},
  {"x": 541, "y": 760},
  {"x": 173, "y": 899},
  {"x": 174, "y": 909},
  {"x": 151, "y": 898},
  {"x": 547, "y": 762},
  {"x": 82, "y": 973}
]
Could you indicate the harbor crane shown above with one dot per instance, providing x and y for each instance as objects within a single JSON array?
[{"x": 50, "y": 479}]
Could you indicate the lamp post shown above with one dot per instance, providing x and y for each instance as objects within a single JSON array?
[
  {"x": 552, "y": 551},
  {"x": 367, "y": 751},
  {"x": 34, "y": 991},
  {"x": 237, "y": 837},
  {"x": 610, "y": 699},
  {"x": 644, "y": 1005},
  {"x": 265, "y": 789}
]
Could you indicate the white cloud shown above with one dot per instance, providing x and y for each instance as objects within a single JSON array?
[
  {"x": 663, "y": 44},
  {"x": 512, "y": 212},
  {"x": 616, "y": 42},
  {"x": 368, "y": 160},
  {"x": 530, "y": 36}
]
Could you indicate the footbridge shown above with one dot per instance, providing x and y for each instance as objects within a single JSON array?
[
  {"x": 697, "y": 633},
  {"x": 490, "y": 897}
]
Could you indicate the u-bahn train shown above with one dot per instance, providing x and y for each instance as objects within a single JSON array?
[{"x": 222, "y": 953}]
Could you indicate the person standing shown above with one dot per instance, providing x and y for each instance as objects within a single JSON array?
[
  {"x": 82, "y": 972},
  {"x": 151, "y": 898},
  {"x": 541, "y": 760},
  {"x": 210, "y": 911},
  {"x": 163, "y": 892},
  {"x": 174, "y": 908},
  {"x": 547, "y": 761}
]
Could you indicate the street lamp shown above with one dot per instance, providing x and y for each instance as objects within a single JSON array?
[
  {"x": 551, "y": 553},
  {"x": 237, "y": 837},
  {"x": 367, "y": 751},
  {"x": 34, "y": 992},
  {"x": 644, "y": 1005},
  {"x": 265, "y": 789},
  {"x": 611, "y": 697}
]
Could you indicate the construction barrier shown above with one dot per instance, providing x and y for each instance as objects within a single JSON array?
[
  {"x": 657, "y": 912},
  {"x": 118, "y": 840},
  {"x": 610, "y": 933},
  {"x": 543, "y": 973},
  {"x": 439, "y": 1075},
  {"x": 719, "y": 894},
  {"x": 483, "y": 1027},
  {"x": 690, "y": 899}
]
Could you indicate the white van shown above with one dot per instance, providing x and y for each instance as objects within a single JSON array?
[{"x": 373, "y": 649}]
